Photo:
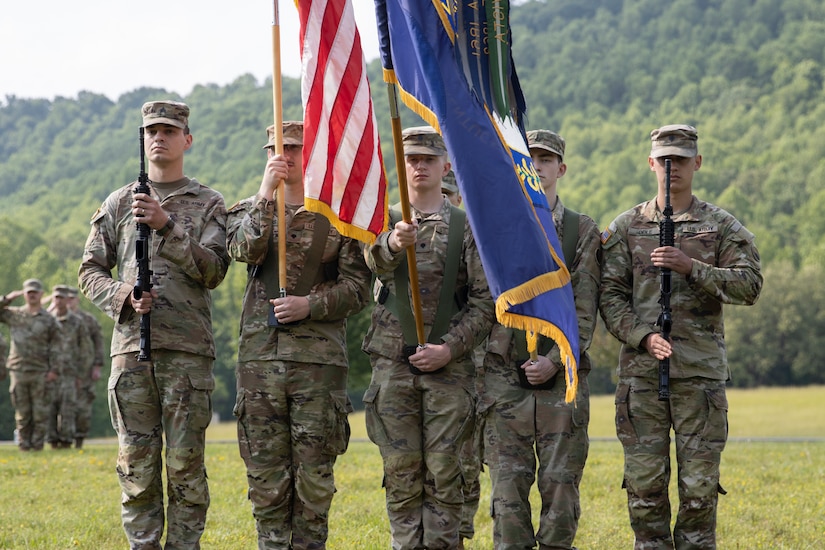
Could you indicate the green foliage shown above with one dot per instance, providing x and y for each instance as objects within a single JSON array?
[{"x": 748, "y": 73}]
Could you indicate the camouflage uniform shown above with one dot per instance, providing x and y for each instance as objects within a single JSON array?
[
  {"x": 168, "y": 398},
  {"x": 4, "y": 349},
  {"x": 86, "y": 384},
  {"x": 34, "y": 352},
  {"x": 521, "y": 424},
  {"x": 726, "y": 270},
  {"x": 420, "y": 422},
  {"x": 292, "y": 403},
  {"x": 74, "y": 342}
]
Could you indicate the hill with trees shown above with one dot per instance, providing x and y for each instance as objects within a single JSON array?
[{"x": 748, "y": 74}]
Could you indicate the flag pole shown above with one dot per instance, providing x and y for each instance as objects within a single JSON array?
[
  {"x": 279, "y": 146},
  {"x": 400, "y": 168}
]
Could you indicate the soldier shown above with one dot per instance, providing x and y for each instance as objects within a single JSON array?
[
  {"x": 292, "y": 401},
  {"x": 525, "y": 413},
  {"x": 471, "y": 450},
  {"x": 168, "y": 398},
  {"x": 450, "y": 189},
  {"x": 421, "y": 400},
  {"x": 714, "y": 262},
  {"x": 74, "y": 342},
  {"x": 87, "y": 376},
  {"x": 4, "y": 349},
  {"x": 33, "y": 361}
]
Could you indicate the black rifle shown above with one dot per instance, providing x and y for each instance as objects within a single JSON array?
[
  {"x": 143, "y": 243},
  {"x": 665, "y": 322}
]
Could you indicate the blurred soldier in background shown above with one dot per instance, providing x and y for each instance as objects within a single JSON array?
[
  {"x": 33, "y": 361},
  {"x": 74, "y": 352},
  {"x": 86, "y": 380}
]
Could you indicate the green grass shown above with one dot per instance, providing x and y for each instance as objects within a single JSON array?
[{"x": 776, "y": 493}]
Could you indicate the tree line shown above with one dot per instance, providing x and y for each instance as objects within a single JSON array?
[{"x": 748, "y": 74}]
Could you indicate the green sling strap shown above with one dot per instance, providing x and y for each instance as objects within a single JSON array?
[
  {"x": 570, "y": 227},
  {"x": 312, "y": 262},
  {"x": 399, "y": 304}
]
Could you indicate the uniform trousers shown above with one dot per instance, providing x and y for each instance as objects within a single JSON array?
[
  {"x": 27, "y": 390},
  {"x": 292, "y": 425},
  {"x": 169, "y": 398},
  {"x": 697, "y": 414},
  {"x": 420, "y": 423},
  {"x": 533, "y": 436}
]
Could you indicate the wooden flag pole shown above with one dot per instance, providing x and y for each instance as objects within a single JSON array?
[
  {"x": 400, "y": 168},
  {"x": 279, "y": 146}
]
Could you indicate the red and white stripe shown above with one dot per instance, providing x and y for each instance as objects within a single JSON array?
[{"x": 344, "y": 174}]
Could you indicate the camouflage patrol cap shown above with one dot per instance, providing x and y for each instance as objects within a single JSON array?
[
  {"x": 423, "y": 140},
  {"x": 293, "y": 133},
  {"x": 448, "y": 183},
  {"x": 678, "y": 140},
  {"x": 32, "y": 285},
  {"x": 61, "y": 291},
  {"x": 73, "y": 292},
  {"x": 546, "y": 140},
  {"x": 173, "y": 113}
]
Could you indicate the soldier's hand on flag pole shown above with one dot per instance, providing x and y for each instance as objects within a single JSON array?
[
  {"x": 275, "y": 172},
  {"x": 403, "y": 235},
  {"x": 431, "y": 357},
  {"x": 540, "y": 371}
]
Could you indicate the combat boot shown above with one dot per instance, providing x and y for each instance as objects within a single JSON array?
[{"x": 78, "y": 442}]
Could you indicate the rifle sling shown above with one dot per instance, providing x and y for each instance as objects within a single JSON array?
[{"x": 399, "y": 304}]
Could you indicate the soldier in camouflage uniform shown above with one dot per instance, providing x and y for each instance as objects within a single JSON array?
[
  {"x": 168, "y": 398},
  {"x": 523, "y": 401},
  {"x": 420, "y": 407},
  {"x": 714, "y": 262},
  {"x": 74, "y": 341},
  {"x": 33, "y": 361},
  {"x": 471, "y": 450},
  {"x": 4, "y": 349},
  {"x": 86, "y": 380},
  {"x": 292, "y": 403}
]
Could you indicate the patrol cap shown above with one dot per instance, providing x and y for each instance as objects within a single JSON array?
[
  {"x": 678, "y": 140},
  {"x": 30, "y": 285},
  {"x": 423, "y": 140},
  {"x": 547, "y": 140},
  {"x": 448, "y": 183},
  {"x": 73, "y": 292},
  {"x": 61, "y": 291},
  {"x": 293, "y": 133},
  {"x": 173, "y": 113}
]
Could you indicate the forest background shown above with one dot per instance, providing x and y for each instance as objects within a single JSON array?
[{"x": 748, "y": 74}]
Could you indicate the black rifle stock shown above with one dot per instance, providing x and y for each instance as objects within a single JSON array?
[
  {"x": 665, "y": 321},
  {"x": 143, "y": 243}
]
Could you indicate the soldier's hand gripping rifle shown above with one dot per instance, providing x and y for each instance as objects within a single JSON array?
[
  {"x": 665, "y": 322},
  {"x": 143, "y": 243}
]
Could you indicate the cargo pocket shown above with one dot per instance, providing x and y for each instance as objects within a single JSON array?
[
  {"x": 716, "y": 426},
  {"x": 338, "y": 432},
  {"x": 375, "y": 427},
  {"x": 624, "y": 425},
  {"x": 115, "y": 412},
  {"x": 239, "y": 410},
  {"x": 200, "y": 400}
]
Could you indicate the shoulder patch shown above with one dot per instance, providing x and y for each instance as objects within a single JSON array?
[
  {"x": 606, "y": 235},
  {"x": 98, "y": 215}
]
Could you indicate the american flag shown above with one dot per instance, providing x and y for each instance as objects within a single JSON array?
[{"x": 344, "y": 176}]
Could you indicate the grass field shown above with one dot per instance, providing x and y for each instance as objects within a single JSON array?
[{"x": 773, "y": 470}]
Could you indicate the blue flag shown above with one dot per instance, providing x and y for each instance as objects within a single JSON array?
[{"x": 451, "y": 60}]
